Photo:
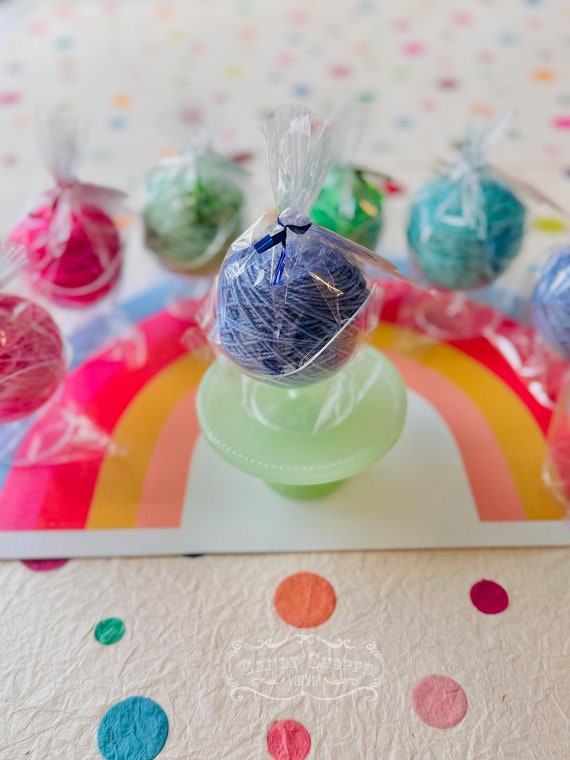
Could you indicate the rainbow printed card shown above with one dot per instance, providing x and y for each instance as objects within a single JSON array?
[{"x": 466, "y": 472}]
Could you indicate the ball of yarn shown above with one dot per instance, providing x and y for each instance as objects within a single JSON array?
[
  {"x": 350, "y": 206},
  {"x": 32, "y": 362},
  {"x": 86, "y": 267},
  {"x": 300, "y": 331},
  {"x": 550, "y": 302},
  {"x": 190, "y": 219},
  {"x": 451, "y": 252}
]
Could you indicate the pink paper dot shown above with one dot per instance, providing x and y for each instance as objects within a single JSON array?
[
  {"x": 9, "y": 98},
  {"x": 288, "y": 740},
  {"x": 488, "y": 597},
  {"x": 402, "y": 24},
  {"x": 462, "y": 18},
  {"x": 43, "y": 565},
  {"x": 285, "y": 59},
  {"x": 439, "y": 701},
  {"x": 561, "y": 122},
  {"x": 413, "y": 48},
  {"x": 428, "y": 104},
  {"x": 340, "y": 71}
]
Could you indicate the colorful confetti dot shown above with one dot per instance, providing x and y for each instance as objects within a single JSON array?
[
  {"x": 64, "y": 43},
  {"x": 488, "y": 597},
  {"x": 117, "y": 123},
  {"x": 301, "y": 90},
  {"x": 482, "y": 109},
  {"x": 439, "y": 701},
  {"x": 544, "y": 75},
  {"x": 508, "y": 39},
  {"x": 285, "y": 59},
  {"x": 137, "y": 728},
  {"x": 122, "y": 100},
  {"x": 10, "y": 98},
  {"x": 462, "y": 18},
  {"x": 363, "y": 47},
  {"x": 191, "y": 115},
  {"x": 14, "y": 67},
  {"x": 9, "y": 159},
  {"x": 163, "y": 12},
  {"x": 304, "y": 600},
  {"x": 448, "y": 83},
  {"x": 44, "y": 565},
  {"x": 288, "y": 740},
  {"x": 340, "y": 71},
  {"x": 177, "y": 36},
  {"x": 233, "y": 70},
  {"x": 299, "y": 18},
  {"x": 402, "y": 24},
  {"x": 64, "y": 12},
  {"x": 37, "y": 28},
  {"x": 549, "y": 224},
  {"x": 403, "y": 122},
  {"x": 247, "y": 34},
  {"x": 109, "y": 631},
  {"x": 413, "y": 48},
  {"x": 486, "y": 56},
  {"x": 21, "y": 120},
  {"x": 428, "y": 105}
]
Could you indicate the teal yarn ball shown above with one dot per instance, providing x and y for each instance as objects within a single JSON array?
[
  {"x": 350, "y": 205},
  {"x": 192, "y": 213},
  {"x": 463, "y": 233}
]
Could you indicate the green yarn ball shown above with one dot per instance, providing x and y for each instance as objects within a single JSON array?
[
  {"x": 350, "y": 206},
  {"x": 192, "y": 213}
]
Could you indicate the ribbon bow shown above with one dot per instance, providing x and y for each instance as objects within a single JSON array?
[{"x": 270, "y": 241}]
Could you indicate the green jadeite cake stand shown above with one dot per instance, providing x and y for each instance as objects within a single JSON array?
[{"x": 304, "y": 442}]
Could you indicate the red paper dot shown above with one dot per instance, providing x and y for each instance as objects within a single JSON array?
[
  {"x": 439, "y": 701},
  {"x": 304, "y": 600},
  {"x": 42, "y": 565},
  {"x": 288, "y": 740},
  {"x": 489, "y": 597}
]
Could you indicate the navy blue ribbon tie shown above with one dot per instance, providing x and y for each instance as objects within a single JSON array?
[{"x": 270, "y": 241}]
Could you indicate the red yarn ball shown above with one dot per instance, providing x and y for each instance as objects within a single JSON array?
[
  {"x": 32, "y": 362},
  {"x": 88, "y": 264}
]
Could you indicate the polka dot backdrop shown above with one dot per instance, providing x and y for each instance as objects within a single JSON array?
[{"x": 431, "y": 654}]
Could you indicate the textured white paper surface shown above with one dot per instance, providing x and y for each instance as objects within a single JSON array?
[{"x": 183, "y": 615}]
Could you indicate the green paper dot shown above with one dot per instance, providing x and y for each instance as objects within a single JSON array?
[{"x": 109, "y": 631}]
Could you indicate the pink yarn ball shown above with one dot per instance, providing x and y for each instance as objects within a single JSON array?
[
  {"x": 88, "y": 264},
  {"x": 32, "y": 362}
]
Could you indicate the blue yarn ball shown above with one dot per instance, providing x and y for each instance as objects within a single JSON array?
[
  {"x": 450, "y": 253},
  {"x": 300, "y": 331},
  {"x": 550, "y": 302}
]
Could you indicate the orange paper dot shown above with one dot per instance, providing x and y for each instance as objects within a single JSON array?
[
  {"x": 544, "y": 75},
  {"x": 482, "y": 109},
  {"x": 122, "y": 100},
  {"x": 304, "y": 600}
]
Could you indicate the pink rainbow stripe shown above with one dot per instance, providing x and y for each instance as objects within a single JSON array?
[
  {"x": 496, "y": 498},
  {"x": 167, "y": 486}
]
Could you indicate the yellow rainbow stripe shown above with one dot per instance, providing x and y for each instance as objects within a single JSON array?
[{"x": 117, "y": 495}]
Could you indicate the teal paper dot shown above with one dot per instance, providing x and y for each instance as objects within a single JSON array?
[
  {"x": 109, "y": 631},
  {"x": 134, "y": 729}
]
